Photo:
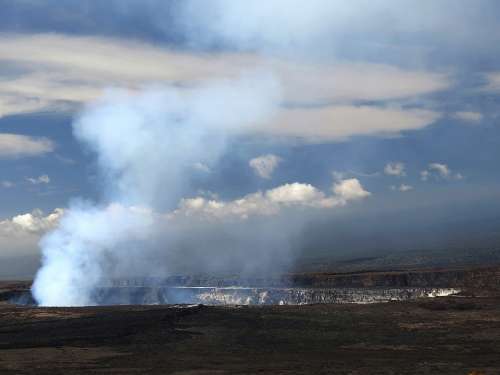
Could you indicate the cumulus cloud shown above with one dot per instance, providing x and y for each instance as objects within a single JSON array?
[
  {"x": 17, "y": 146},
  {"x": 271, "y": 202},
  {"x": 350, "y": 189},
  {"x": 439, "y": 171},
  {"x": 67, "y": 71},
  {"x": 30, "y": 223},
  {"x": 265, "y": 165},
  {"x": 20, "y": 234},
  {"x": 295, "y": 193},
  {"x": 395, "y": 169},
  {"x": 43, "y": 179},
  {"x": 17, "y": 242},
  {"x": 469, "y": 117}
]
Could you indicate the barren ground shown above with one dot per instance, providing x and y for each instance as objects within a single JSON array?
[{"x": 451, "y": 335}]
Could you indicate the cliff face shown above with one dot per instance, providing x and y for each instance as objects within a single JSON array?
[
  {"x": 259, "y": 296},
  {"x": 480, "y": 278},
  {"x": 304, "y": 288},
  {"x": 477, "y": 278}
]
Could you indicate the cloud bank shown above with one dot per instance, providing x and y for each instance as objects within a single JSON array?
[
  {"x": 68, "y": 71},
  {"x": 34, "y": 222},
  {"x": 273, "y": 201}
]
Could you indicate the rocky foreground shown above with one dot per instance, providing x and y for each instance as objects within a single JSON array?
[
  {"x": 447, "y": 335},
  {"x": 441, "y": 335}
]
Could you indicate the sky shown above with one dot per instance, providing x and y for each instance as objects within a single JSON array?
[{"x": 375, "y": 122}]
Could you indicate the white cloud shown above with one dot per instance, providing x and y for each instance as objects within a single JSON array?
[
  {"x": 19, "y": 235},
  {"x": 97, "y": 62},
  {"x": 17, "y": 146},
  {"x": 269, "y": 202},
  {"x": 272, "y": 201},
  {"x": 493, "y": 80},
  {"x": 202, "y": 167},
  {"x": 402, "y": 188},
  {"x": 469, "y": 117},
  {"x": 344, "y": 83},
  {"x": 43, "y": 179},
  {"x": 439, "y": 170},
  {"x": 63, "y": 71},
  {"x": 339, "y": 122},
  {"x": 30, "y": 223},
  {"x": 350, "y": 189},
  {"x": 7, "y": 184},
  {"x": 395, "y": 169},
  {"x": 424, "y": 175},
  {"x": 295, "y": 193},
  {"x": 265, "y": 165}
]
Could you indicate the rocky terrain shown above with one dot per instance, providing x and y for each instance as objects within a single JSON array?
[
  {"x": 447, "y": 335},
  {"x": 451, "y": 335}
]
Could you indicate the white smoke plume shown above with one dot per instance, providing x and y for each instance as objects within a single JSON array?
[{"x": 146, "y": 142}]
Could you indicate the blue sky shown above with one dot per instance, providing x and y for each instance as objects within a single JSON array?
[{"x": 400, "y": 96}]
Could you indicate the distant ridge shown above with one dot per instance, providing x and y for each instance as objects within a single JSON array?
[{"x": 405, "y": 260}]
